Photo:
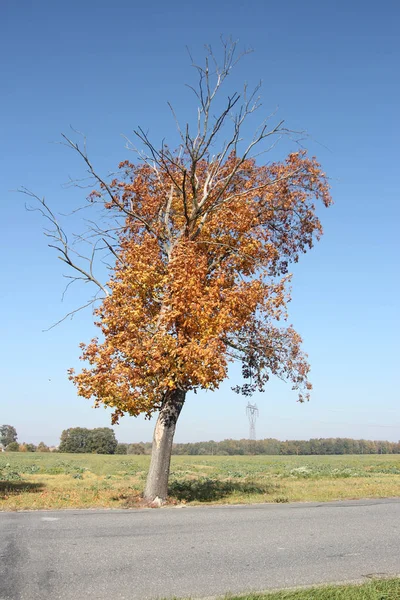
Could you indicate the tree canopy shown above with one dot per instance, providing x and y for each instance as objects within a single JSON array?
[
  {"x": 81, "y": 440},
  {"x": 8, "y": 435},
  {"x": 201, "y": 278},
  {"x": 12, "y": 447}
]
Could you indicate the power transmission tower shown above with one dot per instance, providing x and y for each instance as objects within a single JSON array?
[{"x": 252, "y": 413}]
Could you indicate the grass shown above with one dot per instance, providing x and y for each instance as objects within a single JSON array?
[
  {"x": 373, "y": 590},
  {"x": 46, "y": 480}
]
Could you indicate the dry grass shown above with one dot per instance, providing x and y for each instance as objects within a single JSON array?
[
  {"x": 372, "y": 590},
  {"x": 47, "y": 481}
]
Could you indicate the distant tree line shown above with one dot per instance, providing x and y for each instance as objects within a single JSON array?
[
  {"x": 102, "y": 440},
  {"x": 272, "y": 446},
  {"x": 24, "y": 447},
  {"x": 8, "y": 442}
]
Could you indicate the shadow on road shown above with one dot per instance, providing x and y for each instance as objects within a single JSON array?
[
  {"x": 15, "y": 488},
  {"x": 206, "y": 490}
]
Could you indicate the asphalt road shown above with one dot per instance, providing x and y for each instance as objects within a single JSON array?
[{"x": 197, "y": 552}]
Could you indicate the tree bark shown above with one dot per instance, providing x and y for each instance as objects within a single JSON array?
[{"x": 156, "y": 490}]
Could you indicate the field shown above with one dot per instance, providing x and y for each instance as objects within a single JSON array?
[{"x": 45, "y": 480}]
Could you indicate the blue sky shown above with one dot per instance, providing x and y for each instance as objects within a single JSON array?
[{"x": 330, "y": 68}]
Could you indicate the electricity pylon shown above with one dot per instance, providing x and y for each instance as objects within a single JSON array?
[{"x": 252, "y": 413}]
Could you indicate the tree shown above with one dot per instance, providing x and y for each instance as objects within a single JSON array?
[
  {"x": 102, "y": 441},
  {"x": 201, "y": 240},
  {"x": 74, "y": 439},
  {"x": 136, "y": 449},
  {"x": 8, "y": 434},
  {"x": 95, "y": 441},
  {"x": 27, "y": 447},
  {"x": 122, "y": 448},
  {"x": 12, "y": 447},
  {"x": 42, "y": 447}
]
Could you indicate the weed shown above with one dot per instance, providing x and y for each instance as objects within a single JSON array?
[{"x": 9, "y": 474}]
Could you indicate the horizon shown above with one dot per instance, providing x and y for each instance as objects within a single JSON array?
[{"x": 217, "y": 441}]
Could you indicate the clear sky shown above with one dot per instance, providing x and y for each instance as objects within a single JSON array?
[{"x": 331, "y": 68}]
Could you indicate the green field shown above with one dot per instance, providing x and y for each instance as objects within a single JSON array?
[{"x": 46, "y": 480}]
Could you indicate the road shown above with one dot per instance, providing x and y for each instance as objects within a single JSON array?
[{"x": 194, "y": 551}]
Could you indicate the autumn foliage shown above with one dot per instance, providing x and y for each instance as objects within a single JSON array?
[
  {"x": 201, "y": 240},
  {"x": 201, "y": 277}
]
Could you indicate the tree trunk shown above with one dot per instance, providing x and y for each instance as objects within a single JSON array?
[{"x": 157, "y": 479}]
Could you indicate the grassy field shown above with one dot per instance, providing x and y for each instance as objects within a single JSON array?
[
  {"x": 373, "y": 590},
  {"x": 42, "y": 480}
]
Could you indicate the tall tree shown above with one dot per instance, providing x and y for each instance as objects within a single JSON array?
[
  {"x": 95, "y": 441},
  {"x": 8, "y": 434},
  {"x": 75, "y": 439},
  {"x": 102, "y": 441},
  {"x": 202, "y": 237}
]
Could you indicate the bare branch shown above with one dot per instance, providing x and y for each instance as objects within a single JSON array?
[
  {"x": 61, "y": 243},
  {"x": 113, "y": 198},
  {"x": 72, "y": 313}
]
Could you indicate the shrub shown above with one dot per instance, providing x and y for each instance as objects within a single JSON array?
[
  {"x": 136, "y": 449},
  {"x": 42, "y": 447},
  {"x": 12, "y": 447},
  {"x": 122, "y": 449}
]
